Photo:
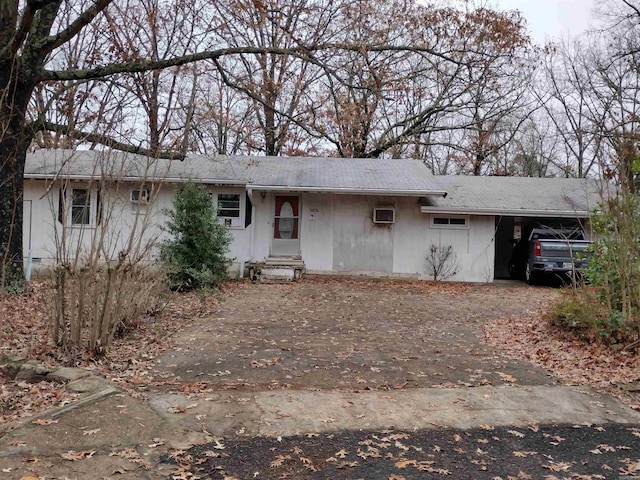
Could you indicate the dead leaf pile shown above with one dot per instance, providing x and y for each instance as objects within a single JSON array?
[
  {"x": 23, "y": 400},
  {"x": 531, "y": 337}
]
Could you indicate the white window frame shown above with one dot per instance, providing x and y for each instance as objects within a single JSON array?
[
  {"x": 232, "y": 222},
  {"x": 92, "y": 205},
  {"x": 448, "y": 225}
]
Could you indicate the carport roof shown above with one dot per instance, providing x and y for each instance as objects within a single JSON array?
[
  {"x": 295, "y": 174},
  {"x": 516, "y": 196}
]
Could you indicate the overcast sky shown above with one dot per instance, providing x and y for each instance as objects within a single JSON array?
[{"x": 551, "y": 19}]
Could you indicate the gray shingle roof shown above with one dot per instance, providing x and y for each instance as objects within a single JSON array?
[
  {"x": 375, "y": 176},
  {"x": 465, "y": 194},
  {"x": 516, "y": 196}
]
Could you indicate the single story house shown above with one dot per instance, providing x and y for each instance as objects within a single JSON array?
[{"x": 325, "y": 215}]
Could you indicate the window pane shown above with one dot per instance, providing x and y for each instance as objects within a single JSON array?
[
  {"x": 457, "y": 221},
  {"x": 80, "y": 206},
  {"x": 440, "y": 221},
  {"x": 229, "y": 200},
  {"x": 229, "y": 213},
  {"x": 80, "y": 196},
  {"x": 141, "y": 196},
  {"x": 229, "y": 205},
  {"x": 285, "y": 228}
]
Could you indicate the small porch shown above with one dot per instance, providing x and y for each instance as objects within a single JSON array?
[{"x": 277, "y": 269}]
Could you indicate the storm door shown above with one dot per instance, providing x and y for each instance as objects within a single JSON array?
[{"x": 286, "y": 226}]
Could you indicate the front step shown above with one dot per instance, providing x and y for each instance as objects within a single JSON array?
[{"x": 277, "y": 270}]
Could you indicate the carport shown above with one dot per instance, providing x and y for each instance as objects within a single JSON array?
[
  {"x": 511, "y": 228},
  {"x": 516, "y": 204}
]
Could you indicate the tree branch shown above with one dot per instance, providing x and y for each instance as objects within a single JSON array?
[
  {"x": 13, "y": 44},
  {"x": 632, "y": 7},
  {"x": 76, "y": 26},
  {"x": 148, "y": 65},
  {"x": 106, "y": 141}
]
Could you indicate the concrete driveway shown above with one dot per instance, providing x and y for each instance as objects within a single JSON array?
[{"x": 353, "y": 335}]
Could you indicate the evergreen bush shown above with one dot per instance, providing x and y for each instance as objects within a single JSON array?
[{"x": 196, "y": 256}]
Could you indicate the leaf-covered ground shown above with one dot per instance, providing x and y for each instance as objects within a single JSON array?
[
  {"x": 24, "y": 331},
  {"x": 325, "y": 334},
  {"x": 531, "y": 337},
  {"x": 353, "y": 335},
  {"x": 322, "y": 334}
]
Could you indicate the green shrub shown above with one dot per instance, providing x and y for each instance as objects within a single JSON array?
[
  {"x": 196, "y": 255},
  {"x": 614, "y": 264},
  {"x": 583, "y": 312}
]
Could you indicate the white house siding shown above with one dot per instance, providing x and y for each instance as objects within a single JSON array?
[
  {"x": 473, "y": 247},
  {"x": 359, "y": 245},
  {"x": 121, "y": 215},
  {"x": 263, "y": 211},
  {"x": 38, "y": 222},
  {"x": 337, "y": 235},
  {"x": 316, "y": 231},
  {"x": 411, "y": 232}
]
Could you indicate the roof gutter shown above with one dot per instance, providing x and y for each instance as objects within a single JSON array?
[
  {"x": 511, "y": 213},
  {"x": 350, "y": 191}
]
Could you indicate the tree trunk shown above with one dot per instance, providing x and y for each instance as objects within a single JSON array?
[
  {"x": 15, "y": 137},
  {"x": 12, "y": 160}
]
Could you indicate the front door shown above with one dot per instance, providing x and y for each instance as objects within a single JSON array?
[{"x": 286, "y": 226}]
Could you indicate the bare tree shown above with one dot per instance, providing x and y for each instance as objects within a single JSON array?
[
  {"x": 276, "y": 85},
  {"x": 441, "y": 262},
  {"x": 158, "y": 30},
  {"x": 387, "y": 103},
  {"x": 568, "y": 106},
  {"x": 31, "y": 35}
]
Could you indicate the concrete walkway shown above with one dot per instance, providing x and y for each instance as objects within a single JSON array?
[
  {"x": 287, "y": 413},
  {"x": 116, "y": 433}
]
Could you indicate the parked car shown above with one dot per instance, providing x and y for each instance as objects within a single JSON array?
[{"x": 545, "y": 251}]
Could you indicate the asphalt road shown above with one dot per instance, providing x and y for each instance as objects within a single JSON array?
[{"x": 608, "y": 451}]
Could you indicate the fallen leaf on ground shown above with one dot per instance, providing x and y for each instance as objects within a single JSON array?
[
  {"x": 279, "y": 461},
  {"x": 73, "y": 456},
  {"x": 342, "y": 453},
  {"x": 44, "y": 421},
  {"x": 524, "y": 454},
  {"x": 157, "y": 442}
]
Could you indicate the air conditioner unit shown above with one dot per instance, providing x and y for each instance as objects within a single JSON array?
[{"x": 384, "y": 215}]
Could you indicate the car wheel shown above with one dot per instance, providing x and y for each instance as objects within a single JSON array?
[{"x": 529, "y": 275}]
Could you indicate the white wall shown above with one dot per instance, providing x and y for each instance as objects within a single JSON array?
[
  {"x": 128, "y": 222},
  {"x": 474, "y": 247},
  {"x": 337, "y": 235}
]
